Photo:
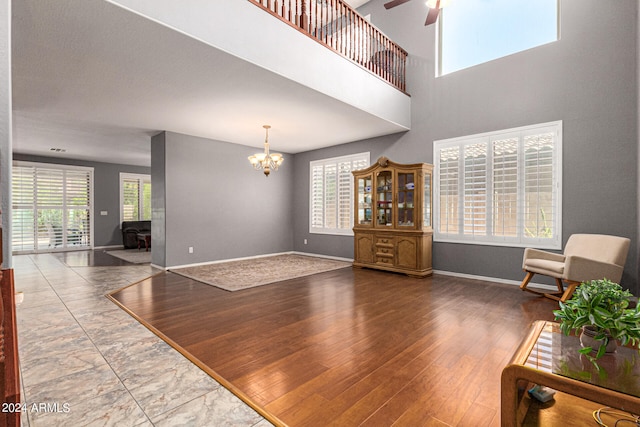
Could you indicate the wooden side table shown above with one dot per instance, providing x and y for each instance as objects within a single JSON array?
[{"x": 550, "y": 358}]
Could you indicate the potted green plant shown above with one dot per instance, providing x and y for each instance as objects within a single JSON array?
[{"x": 600, "y": 309}]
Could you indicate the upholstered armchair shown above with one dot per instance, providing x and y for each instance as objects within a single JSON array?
[{"x": 586, "y": 257}]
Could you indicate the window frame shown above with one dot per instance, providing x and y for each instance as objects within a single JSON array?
[
  {"x": 141, "y": 178},
  {"x": 489, "y": 238},
  {"x": 335, "y": 161}
]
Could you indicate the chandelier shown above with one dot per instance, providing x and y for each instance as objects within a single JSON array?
[{"x": 266, "y": 161}]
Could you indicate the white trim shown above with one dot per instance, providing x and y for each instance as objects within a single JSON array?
[
  {"x": 219, "y": 261},
  {"x": 98, "y": 248},
  {"x": 494, "y": 279},
  {"x": 335, "y": 258}
]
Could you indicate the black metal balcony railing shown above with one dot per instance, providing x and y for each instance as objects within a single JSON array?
[{"x": 340, "y": 28}]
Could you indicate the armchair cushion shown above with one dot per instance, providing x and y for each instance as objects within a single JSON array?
[{"x": 545, "y": 266}]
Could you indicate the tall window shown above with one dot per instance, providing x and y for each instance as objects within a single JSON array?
[
  {"x": 500, "y": 188},
  {"x": 135, "y": 197},
  {"x": 331, "y": 193},
  {"x": 477, "y": 31},
  {"x": 51, "y": 207}
]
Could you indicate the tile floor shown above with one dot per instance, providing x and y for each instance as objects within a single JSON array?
[{"x": 85, "y": 362}]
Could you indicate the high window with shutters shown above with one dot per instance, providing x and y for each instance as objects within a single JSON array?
[
  {"x": 51, "y": 207},
  {"x": 331, "y": 193},
  {"x": 500, "y": 188},
  {"x": 135, "y": 197}
]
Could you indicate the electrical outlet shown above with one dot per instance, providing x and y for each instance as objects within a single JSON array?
[
  {"x": 305, "y": 241},
  {"x": 190, "y": 249}
]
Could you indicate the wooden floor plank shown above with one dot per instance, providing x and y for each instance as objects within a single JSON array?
[{"x": 351, "y": 346}]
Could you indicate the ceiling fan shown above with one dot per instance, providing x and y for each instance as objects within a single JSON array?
[{"x": 434, "y": 8}]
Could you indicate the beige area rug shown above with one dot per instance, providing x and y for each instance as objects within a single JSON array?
[
  {"x": 244, "y": 274},
  {"x": 133, "y": 256}
]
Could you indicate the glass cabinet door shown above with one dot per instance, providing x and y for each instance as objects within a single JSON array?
[
  {"x": 384, "y": 198},
  {"x": 426, "y": 201},
  {"x": 365, "y": 207},
  {"x": 406, "y": 189}
]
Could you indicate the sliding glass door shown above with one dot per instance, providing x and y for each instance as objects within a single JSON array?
[{"x": 52, "y": 207}]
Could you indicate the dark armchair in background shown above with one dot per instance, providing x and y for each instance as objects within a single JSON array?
[{"x": 130, "y": 230}]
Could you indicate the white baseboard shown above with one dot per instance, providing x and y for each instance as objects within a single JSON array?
[
  {"x": 108, "y": 247},
  {"x": 225, "y": 260},
  {"x": 495, "y": 279},
  {"x": 336, "y": 258}
]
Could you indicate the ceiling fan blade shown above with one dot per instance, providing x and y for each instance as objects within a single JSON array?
[
  {"x": 432, "y": 16},
  {"x": 394, "y": 3}
]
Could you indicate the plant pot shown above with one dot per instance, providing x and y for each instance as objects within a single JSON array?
[{"x": 587, "y": 339}]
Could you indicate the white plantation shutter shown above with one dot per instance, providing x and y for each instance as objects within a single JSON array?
[
  {"x": 52, "y": 207},
  {"x": 539, "y": 205},
  {"x": 331, "y": 193},
  {"x": 49, "y": 207},
  {"x": 23, "y": 222},
  {"x": 345, "y": 195},
  {"x": 449, "y": 161},
  {"x": 78, "y": 207},
  {"x": 475, "y": 189},
  {"x": 135, "y": 197},
  {"x": 501, "y": 188},
  {"x": 317, "y": 197},
  {"x": 330, "y": 196},
  {"x": 130, "y": 199},
  {"x": 505, "y": 187}
]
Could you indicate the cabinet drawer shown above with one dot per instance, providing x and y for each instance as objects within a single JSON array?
[
  {"x": 384, "y": 260},
  {"x": 384, "y": 241},
  {"x": 384, "y": 251}
]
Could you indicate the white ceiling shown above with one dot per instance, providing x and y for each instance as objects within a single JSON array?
[{"x": 98, "y": 81}]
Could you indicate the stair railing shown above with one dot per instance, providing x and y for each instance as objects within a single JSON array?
[{"x": 339, "y": 27}]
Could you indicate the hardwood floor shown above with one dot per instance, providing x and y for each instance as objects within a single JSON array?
[{"x": 349, "y": 347}]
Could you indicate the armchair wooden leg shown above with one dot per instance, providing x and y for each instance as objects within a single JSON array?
[
  {"x": 571, "y": 287},
  {"x": 559, "y": 285},
  {"x": 570, "y": 290},
  {"x": 526, "y": 280}
]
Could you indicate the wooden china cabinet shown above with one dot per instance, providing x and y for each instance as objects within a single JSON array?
[{"x": 393, "y": 217}]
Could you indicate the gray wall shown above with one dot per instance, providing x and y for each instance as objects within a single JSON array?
[
  {"x": 587, "y": 79},
  {"x": 106, "y": 197},
  {"x": 158, "y": 195},
  {"x": 216, "y": 203}
]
